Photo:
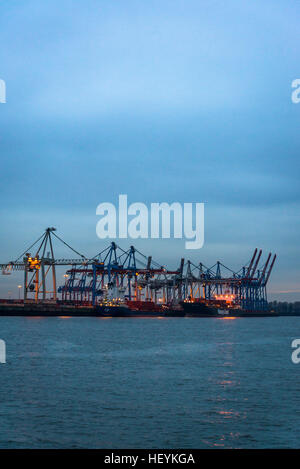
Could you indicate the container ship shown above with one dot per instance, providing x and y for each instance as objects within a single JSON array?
[{"x": 221, "y": 307}]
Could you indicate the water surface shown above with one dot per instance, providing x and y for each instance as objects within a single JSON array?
[{"x": 149, "y": 383}]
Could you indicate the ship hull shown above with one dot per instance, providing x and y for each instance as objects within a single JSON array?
[
  {"x": 34, "y": 310},
  {"x": 202, "y": 310},
  {"x": 57, "y": 310},
  {"x": 253, "y": 314},
  {"x": 189, "y": 309},
  {"x": 198, "y": 310},
  {"x": 174, "y": 313},
  {"x": 125, "y": 312}
]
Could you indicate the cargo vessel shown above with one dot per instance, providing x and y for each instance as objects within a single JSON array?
[
  {"x": 103, "y": 309},
  {"x": 220, "y": 308}
]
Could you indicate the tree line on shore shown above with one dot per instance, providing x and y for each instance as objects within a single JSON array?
[{"x": 285, "y": 306}]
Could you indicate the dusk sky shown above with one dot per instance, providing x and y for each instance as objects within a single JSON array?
[{"x": 166, "y": 101}]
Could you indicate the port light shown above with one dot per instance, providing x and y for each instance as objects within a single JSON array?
[
  {"x": 229, "y": 298},
  {"x": 34, "y": 263}
]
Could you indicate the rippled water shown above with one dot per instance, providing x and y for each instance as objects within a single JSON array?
[{"x": 149, "y": 383}]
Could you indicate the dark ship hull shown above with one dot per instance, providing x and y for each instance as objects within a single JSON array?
[
  {"x": 206, "y": 310},
  {"x": 134, "y": 309},
  {"x": 173, "y": 312},
  {"x": 52, "y": 310},
  {"x": 123, "y": 311},
  {"x": 199, "y": 309},
  {"x": 46, "y": 310},
  {"x": 105, "y": 310}
]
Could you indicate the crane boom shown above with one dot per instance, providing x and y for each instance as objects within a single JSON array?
[
  {"x": 265, "y": 268},
  {"x": 270, "y": 270},
  {"x": 256, "y": 264},
  {"x": 251, "y": 263}
]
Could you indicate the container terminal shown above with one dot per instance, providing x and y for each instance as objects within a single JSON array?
[{"x": 119, "y": 283}]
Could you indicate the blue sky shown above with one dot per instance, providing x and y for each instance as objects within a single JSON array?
[{"x": 186, "y": 101}]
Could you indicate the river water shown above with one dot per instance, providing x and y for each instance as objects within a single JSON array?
[{"x": 149, "y": 383}]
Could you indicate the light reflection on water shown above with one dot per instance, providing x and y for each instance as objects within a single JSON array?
[
  {"x": 204, "y": 383},
  {"x": 231, "y": 318}
]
